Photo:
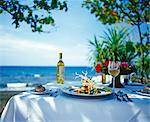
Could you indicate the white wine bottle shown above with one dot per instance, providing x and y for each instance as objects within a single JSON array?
[{"x": 60, "y": 70}]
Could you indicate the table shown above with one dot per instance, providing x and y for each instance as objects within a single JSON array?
[{"x": 27, "y": 107}]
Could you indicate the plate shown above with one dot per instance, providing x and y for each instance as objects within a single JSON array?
[
  {"x": 135, "y": 84},
  {"x": 144, "y": 94},
  {"x": 39, "y": 93},
  {"x": 70, "y": 91}
]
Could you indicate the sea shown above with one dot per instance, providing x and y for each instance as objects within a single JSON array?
[{"x": 38, "y": 74}]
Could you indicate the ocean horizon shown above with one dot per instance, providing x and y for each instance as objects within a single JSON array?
[{"x": 39, "y": 74}]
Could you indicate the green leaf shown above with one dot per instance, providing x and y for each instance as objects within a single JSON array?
[{"x": 1, "y": 11}]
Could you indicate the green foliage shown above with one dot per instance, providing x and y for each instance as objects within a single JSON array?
[
  {"x": 130, "y": 51},
  {"x": 113, "y": 45},
  {"x": 138, "y": 62},
  {"x": 114, "y": 39},
  {"x": 36, "y": 13},
  {"x": 134, "y": 12},
  {"x": 144, "y": 47},
  {"x": 146, "y": 68},
  {"x": 95, "y": 51},
  {"x": 112, "y": 11}
]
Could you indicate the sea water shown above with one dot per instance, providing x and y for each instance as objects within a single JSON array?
[{"x": 38, "y": 74}]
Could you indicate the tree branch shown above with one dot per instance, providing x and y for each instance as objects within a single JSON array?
[
  {"x": 5, "y": 9},
  {"x": 128, "y": 16}
]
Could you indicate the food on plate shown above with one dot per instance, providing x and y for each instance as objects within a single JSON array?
[
  {"x": 39, "y": 88},
  {"x": 88, "y": 87},
  {"x": 145, "y": 90}
]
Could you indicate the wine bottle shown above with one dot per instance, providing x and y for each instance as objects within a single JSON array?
[
  {"x": 103, "y": 78},
  {"x": 60, "y": 70}
]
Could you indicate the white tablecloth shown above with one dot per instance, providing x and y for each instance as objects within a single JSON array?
[{"x": 27, "y": 107}]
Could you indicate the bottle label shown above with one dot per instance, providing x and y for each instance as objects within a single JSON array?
[
  {"x": 103, "y": 78},
  {"x": 61, "y": 72}
]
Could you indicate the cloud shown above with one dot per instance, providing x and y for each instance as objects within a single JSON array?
[
  {"x": 21, "y": 44},
  {"x": 15, "y": 51},
  {"x": 75, "y": 55}
]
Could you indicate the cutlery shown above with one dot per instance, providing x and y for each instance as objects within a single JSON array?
[
  {"x": 54, "y": 93},
  {"x": 117, "y": 97},
  {"x": 128, "y": 98},
  {"x": 122, "y": 97}
]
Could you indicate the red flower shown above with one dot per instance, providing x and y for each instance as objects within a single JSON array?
[
  {"x": 98, "y": 68},
  {"x": 124, "y": 64},
  {"x": 106, "y": 63},
  {"x": 114, "y": 13}
]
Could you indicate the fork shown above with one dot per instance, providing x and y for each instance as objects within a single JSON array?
[{"x": 122, "y": 95}]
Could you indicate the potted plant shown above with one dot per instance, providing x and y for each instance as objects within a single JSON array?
[{"x": 114, "y": 45}]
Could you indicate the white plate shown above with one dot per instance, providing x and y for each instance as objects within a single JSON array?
[
  {"x": 67, "y": 90},
  {"x": 144, "y": 94},
  {"x": 39, "y": 93},
  {"x": 135, "y": 84}
]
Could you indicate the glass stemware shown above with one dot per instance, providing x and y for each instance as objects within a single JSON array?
[{"x": 113, "y": 70}]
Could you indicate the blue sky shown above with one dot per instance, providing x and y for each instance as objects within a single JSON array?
[{"x": 73, "y": 30}]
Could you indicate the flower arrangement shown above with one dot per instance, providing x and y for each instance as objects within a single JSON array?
[{"x": 125, "y": 68}]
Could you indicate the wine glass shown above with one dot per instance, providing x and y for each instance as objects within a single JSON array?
[{"x": 114, "y": 70}]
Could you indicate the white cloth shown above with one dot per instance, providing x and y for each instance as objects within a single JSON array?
[{"x": 27, "y": 107}]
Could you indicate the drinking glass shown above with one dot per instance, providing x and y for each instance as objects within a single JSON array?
[{"x": 113, "y": 70}]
